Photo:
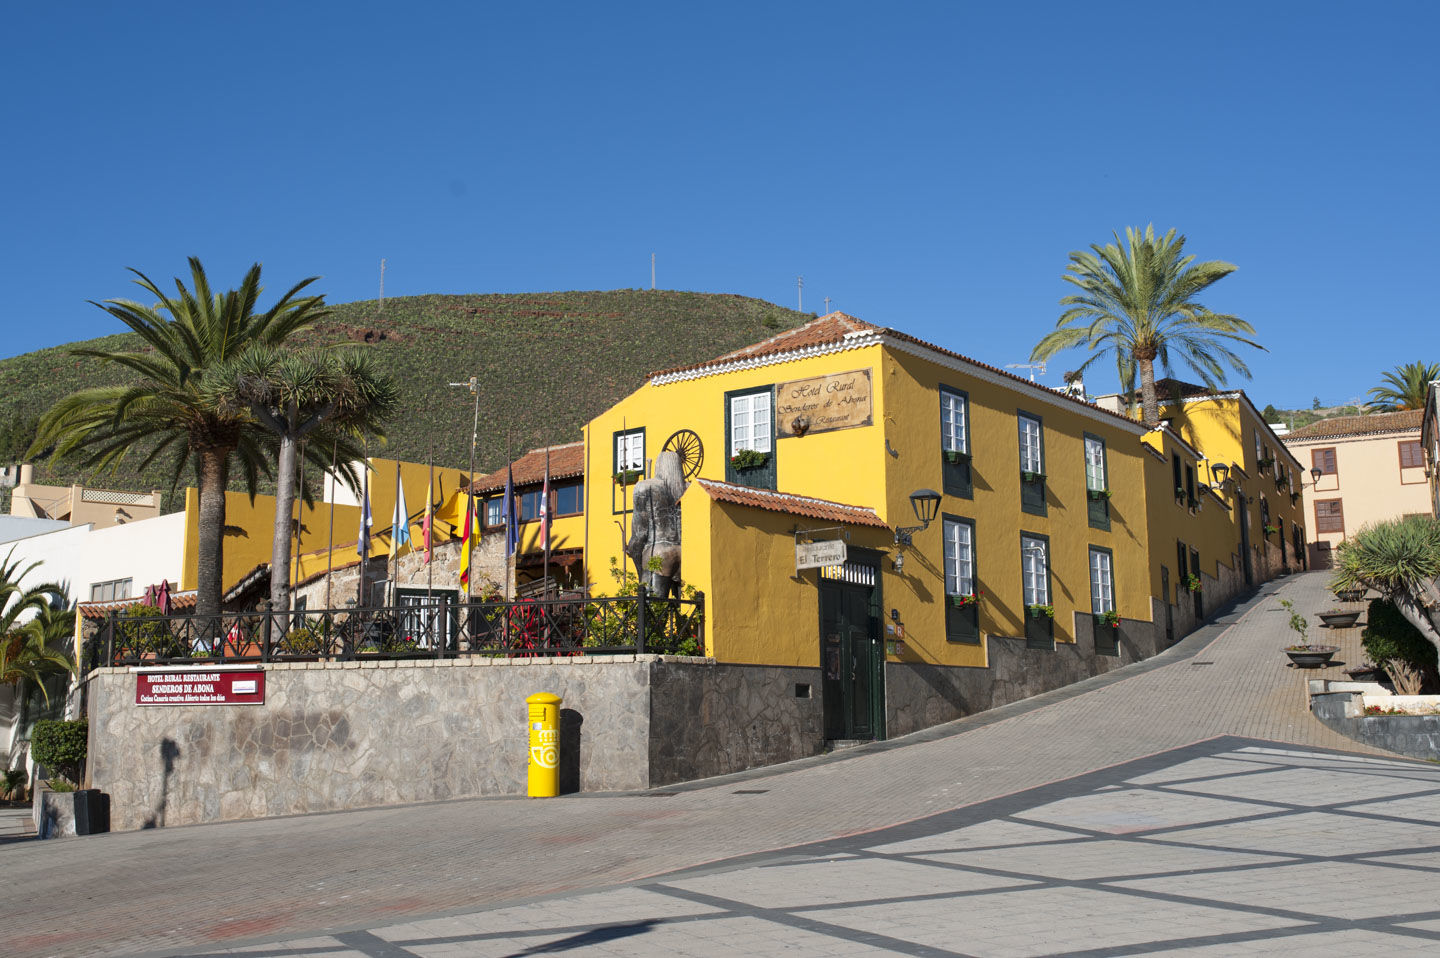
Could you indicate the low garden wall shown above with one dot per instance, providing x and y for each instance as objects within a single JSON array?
[
  {"x": 337, "y": 735},
  {"x": 1417, "y": 736}
]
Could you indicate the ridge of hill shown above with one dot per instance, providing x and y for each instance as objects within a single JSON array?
[{"x": 545, "y": 363}]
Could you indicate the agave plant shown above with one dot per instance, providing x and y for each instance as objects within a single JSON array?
[{"x": 1400, "y": 559}]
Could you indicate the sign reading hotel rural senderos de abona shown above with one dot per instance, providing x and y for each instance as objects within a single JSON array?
[
  {"x": 837, "y": 401},
  {"x": 200, "y": 688},
  {"x": 814, "y": 555}
]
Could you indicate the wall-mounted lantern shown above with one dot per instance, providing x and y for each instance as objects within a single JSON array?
[{"x": 926, "y": 505}]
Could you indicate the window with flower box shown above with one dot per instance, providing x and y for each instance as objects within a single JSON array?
[
  {"x": 750, "y": 437},
  {"x": 1102, "y": 601},
  {"x": 955, "y": 459},
  {"x": 1032, "y": 464},
  {"x": 962, "y": 596}
]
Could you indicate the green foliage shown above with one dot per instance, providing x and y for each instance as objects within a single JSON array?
[
  {"x": 33, "y": 650},
  {"x": 1040, "y": 611},
  {"x": 1391, "y": 556},
  {"x": 304, "y": 640},
  {"x": 1139, "y": 302},
  {"x": 60, "y": 746},
  {"x": 749, "y": 459},
  {"x": 144, "y": 629},
  {"x": 667, "y": 631},
  {"x": 1298, "y": 622},
  {"x": 1404, "y": 387},
  {"x": 12, "y": 783},
  {"x": 1394, "y": 644},
  {"x": 547, "y": 362}
]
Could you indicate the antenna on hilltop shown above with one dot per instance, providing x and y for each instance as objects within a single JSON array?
[
  {"x": 1030, "y": 366},
  {"x": 382, "y": 284},
  {"x": 652, "y": 270}
]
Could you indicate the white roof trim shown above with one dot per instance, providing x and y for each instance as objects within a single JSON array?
[
  {"x": 860, "y": 340},
  {"x": 1044, "y": 393}
]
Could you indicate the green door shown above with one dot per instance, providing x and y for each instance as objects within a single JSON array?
[{"x": 850, "y": 655}]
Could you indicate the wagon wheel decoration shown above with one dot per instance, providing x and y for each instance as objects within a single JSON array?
[{"x": 687, "y": 446}]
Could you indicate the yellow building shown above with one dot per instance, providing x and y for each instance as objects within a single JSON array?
[{"x": 1045, "y": 521}]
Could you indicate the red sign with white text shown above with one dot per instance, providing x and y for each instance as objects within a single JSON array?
[{"x": 200, "y": 688}]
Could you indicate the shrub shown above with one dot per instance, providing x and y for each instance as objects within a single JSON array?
[
  {"x": 1395, "y": 645},
  {"x": 14, "y": 783},
  {"x": 144, "y": 629},
  {"x": 60, "y": 746}
]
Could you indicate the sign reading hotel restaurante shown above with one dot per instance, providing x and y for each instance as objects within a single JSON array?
[
  {"x": 837, "y": 401},
  {"x": 200, "y": 688}
]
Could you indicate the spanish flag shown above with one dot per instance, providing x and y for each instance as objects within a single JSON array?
[{"x": 468, "y": 538}]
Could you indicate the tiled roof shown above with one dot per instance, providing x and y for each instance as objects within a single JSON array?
[
  {"x": 1376, "y": 424},
  {"x": 179, "y": 602},
  {"x": 794, "y": 505},
  {"x": 830, "y": 328},
  {"x": 566, "y": 462},
  {"x": 833, "y": 330},
  {"x": 1167, "y": 389}
]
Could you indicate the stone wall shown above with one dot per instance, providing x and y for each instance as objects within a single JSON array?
[
  {"x": 489, "y": 566},
  {"x": 354, "y": 734},
  {"x": 1417, "y": 736}
]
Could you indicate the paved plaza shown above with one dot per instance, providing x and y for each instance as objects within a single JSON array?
[{"x": 1188, "y": 805}]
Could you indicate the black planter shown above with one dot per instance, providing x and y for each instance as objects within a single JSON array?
[
  {"x": 1337, "y": 619},
  {"x": 1315, "y": 657},
  {"x": 92, "y": 811}
]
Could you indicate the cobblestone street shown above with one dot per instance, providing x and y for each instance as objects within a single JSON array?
[{"x": 1188, "y": 803}]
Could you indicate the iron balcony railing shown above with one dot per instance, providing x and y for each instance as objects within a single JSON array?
[{"x": 418, "y": 628}]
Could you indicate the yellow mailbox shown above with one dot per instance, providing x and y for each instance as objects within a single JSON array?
[{"x": 543, "y": 710}]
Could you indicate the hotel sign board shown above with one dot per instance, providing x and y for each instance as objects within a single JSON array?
[
  {"x": 816, "y": 555},
  {"x": 200, "y": 688},
  {"x": 824, "y": 403}
]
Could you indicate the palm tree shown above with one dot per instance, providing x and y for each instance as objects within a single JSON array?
[
  {"x": 1139, "y": 302},
  {"x": 1405, "y": 387},
  {"x": 32, "y": 650},
  {"x": 165, "y": 411},
  {"x": 330, "y": 395}
]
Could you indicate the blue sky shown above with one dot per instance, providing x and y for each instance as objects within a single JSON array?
[{"x": 927, "y": 166}]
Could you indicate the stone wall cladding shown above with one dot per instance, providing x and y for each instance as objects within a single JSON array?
[
  {"x": 710, "y": 719},
  {"x": 1417, "y": 736},
  {"x": 349, "y": 735}
]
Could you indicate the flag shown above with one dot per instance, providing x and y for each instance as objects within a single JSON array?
[
  {"x": 366, "y": 519},
  {"x": 400, "y": 522},
  {"x": 512, "y": 521},
  {"x": 427, "y": 526},
  {"x": 545, "y": 506},
  {"x": 468, "y": 537}
]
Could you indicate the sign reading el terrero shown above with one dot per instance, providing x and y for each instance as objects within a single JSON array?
[
  {"x": 815, "y": 555},
  {"x": 200, "y": 688},
  {"x": 837, "y": 401}
]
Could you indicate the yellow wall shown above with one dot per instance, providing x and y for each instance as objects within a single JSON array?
[{"x": 1212, "y": 529}]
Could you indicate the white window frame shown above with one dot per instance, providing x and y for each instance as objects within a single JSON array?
[
  {"x": 750, "y": 422},
  {"x": 1102, "y": 582},
  {"x": 109, "y": 590},
  {"x": 959, "y": 539},
  {"x": 1032, "y": 455},
  {"x": 1095, "y": 478},
  {"x": 954, "y": 422},
  {"x": 1035, "y": 570},
  {"x": 497, "y": 505},
  {"x": 630, "y": 450}
]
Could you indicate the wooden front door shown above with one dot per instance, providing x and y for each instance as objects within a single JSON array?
[{"x": 851, "y": 656}]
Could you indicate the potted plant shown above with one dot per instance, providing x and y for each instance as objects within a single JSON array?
[
  {"x": 1304, "y": 655},
  {"x": 956, "y": 456},
  {"x": 749, "y": 459},
  {"x": 1109, "y": 619},
  {"x": 1040, "y": 611},
  {"x": 1192, "y": 582},
  {"x": 1027, "y": 476},
  {"x": 1270, "y": 531},
  {"x": 1339, "y": 618},
  {"x": 628, "y": 477},
  {"x": 962, "y": 601},
  {"x": 1265, "y": 463},
  {"x": 1179, "y": 493},
  {"x": 1282, "y": 482},
  {"x": 1097, "y": 494},
  {"x": 1294, "y": 498}
]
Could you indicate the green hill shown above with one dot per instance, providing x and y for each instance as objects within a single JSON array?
[{"x": 546, "y": 363}]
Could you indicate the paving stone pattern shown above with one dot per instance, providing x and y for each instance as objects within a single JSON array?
[{"x": 1187, "y": 802}]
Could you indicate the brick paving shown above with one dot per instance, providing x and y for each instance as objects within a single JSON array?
[{"x": 1066, "y": 778}]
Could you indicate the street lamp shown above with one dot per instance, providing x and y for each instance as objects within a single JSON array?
[{"x": 925, "y": 503}]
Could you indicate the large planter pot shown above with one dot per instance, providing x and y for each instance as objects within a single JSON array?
[
  {"x": 1339, "y": 618},
  {"x": 1314, "y": 657}
]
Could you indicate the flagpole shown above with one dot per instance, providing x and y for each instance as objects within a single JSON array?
[
  {"x": 395, "y": 538},
  {"x": 474, "y": 386},
  {"x": 512, "y": 518},
  {"x": 363, "y": 546},
  {"x": 430, "y": 530},
  {"x": 545, "y": 526},
  {"x": 330, "y": 543}
]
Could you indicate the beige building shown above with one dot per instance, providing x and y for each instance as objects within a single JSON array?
[
  {"x": 79, "y": 505},
  {"x": 1371, "y": 468}
]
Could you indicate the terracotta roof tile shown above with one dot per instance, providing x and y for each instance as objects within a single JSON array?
[
  {"x": 830, "y": 328},
  {"x": 179, "y": 602},
  {"x": 1374, "y": 424},
  {"x": 794, "y": 505},
  {"x": 566, "y": 462}
]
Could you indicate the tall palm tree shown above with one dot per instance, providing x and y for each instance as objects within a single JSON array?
[
  {"x": 1140, "y": 302},
  {"x": 31, "y": 650},
  {"x": 164, "y": 410},
  {"x": 1405, "y": 387},
  {"x": 335, "y": 395}
]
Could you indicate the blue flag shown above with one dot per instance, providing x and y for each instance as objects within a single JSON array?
[{"x": 512, "y": 521}]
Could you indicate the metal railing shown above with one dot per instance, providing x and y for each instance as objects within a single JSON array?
[{"x": 574, "y": 625}]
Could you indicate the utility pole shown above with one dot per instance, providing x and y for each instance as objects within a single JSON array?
[
  {"x": 799, "y": 294},
  {"x": 382, "y": 284},
  {"x": 652, "y": 270}
]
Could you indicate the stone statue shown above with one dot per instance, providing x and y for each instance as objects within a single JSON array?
[{"x": 655, "y": 533}]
